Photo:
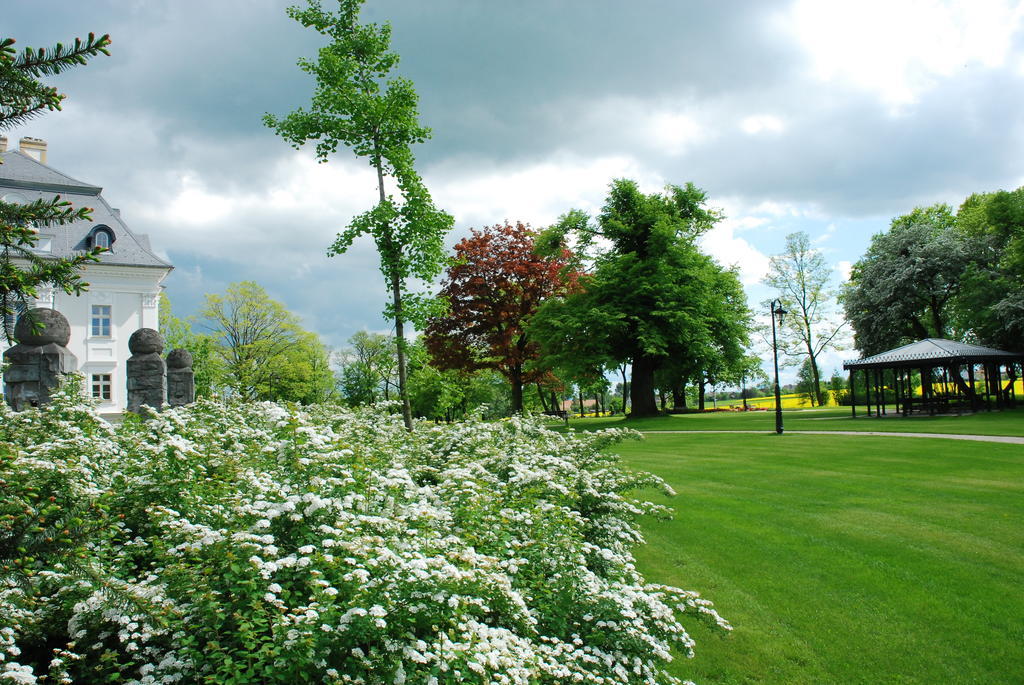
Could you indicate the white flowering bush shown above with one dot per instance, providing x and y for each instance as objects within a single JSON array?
[{"x": 262, "y": 544}]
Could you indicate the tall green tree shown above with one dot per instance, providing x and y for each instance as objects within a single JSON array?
[
  {"x": 804, "y": 283},
  {"x": 22, "y": 97},
  {"x": 905, "y": 286},
  {"x": 262, "y": 349},
  {"x": 359, "y": 104},
  {"x": 647, "y": 297},
  {"x": 368, "y": 368},
  {"x": 302, "y": 372}
]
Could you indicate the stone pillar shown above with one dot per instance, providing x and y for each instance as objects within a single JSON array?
[
  {"x": 181, "y": 381},
  {"x": 147, "y": 373},
  {"x": 39, "y": 360}
]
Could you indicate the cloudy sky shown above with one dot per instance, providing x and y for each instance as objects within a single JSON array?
[{"x": 822, "y": 116}]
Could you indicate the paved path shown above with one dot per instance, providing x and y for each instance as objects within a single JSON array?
[{"x": 1015, "y": 440}]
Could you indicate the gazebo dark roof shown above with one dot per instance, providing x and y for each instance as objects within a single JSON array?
[{"x": 933, "y": 352}]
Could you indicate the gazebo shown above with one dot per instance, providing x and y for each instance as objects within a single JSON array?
[{"x": 947, "y": 373}]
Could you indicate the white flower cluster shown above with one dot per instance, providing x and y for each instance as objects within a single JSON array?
[{"x": 266, "y": 544}]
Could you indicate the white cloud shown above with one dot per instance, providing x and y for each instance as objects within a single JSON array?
[
  {"x": 844, "y": 267},
  {"x": 900, "y": 48},
  {"x": 672, "y": 127},
  {"x": 673, "y": 131},
  {"x": 536, "y": 194},
  {"x": 194, "y": 205},
  {"x": 284, "y": 224},
  {"x": 762, "y": 123},
  {"x": 722, "y": 243}
]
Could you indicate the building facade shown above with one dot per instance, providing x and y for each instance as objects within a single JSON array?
[{"x": 124, "y": 286}]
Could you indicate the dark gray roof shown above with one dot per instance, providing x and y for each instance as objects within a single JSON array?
[
  {"x": 21, "y": 171},
  {"x": 932, "y": 351},
  {"x": 34, "y": 180}
]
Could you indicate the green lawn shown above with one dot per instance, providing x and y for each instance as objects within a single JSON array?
[
  {"x": 983, "y": 423},
  {"x": 844, "y": 559}
]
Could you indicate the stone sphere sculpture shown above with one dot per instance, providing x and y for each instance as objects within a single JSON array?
[
  {"x": 146, "y": 341},
  {"x": 179, "y": 359},
  {"x": 42, "y": 326}
]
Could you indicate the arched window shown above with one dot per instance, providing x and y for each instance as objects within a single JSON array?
[{"x": 101, "y": 236}]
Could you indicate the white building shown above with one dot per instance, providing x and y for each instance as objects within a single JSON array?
[{"x": 124, "y": 286}]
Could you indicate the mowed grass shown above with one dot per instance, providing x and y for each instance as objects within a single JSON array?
[
  {"x": 843, "y": 559},
  {"x": 1009, "y": 422}
]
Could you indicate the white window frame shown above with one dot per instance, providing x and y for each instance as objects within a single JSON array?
[
  {"x": 101, "y": 386},
  {"x": 100, "y": 314}
]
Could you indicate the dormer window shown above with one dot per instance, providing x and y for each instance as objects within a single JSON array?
[{"x": 101, "y": 236}]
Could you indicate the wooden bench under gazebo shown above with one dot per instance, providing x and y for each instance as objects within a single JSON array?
[{"x": 947, "y": 373}]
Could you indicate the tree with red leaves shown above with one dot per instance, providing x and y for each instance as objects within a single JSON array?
[{"x": 495, "y": 284}]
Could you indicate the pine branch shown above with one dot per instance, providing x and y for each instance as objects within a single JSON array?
[
  {"x": 52, "y": 61},
  {"x": 44, "y": 212},
  {"x": 24, "y": 98}
]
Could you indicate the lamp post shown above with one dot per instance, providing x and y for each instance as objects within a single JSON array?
[{"x": 777, "y": 311}]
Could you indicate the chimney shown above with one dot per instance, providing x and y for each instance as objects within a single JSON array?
[
  {"x": 3, "y": 143},
  {"x": 34, "y": 148}
]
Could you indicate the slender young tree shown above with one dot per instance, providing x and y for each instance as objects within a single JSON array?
[
  {"x": 359, "y": 104},
  {"x": 803, "y": 281},
  {"x": 22, "y": 97}
]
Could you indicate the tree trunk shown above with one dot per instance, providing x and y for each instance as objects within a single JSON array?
[
  {"x": 625, "y": 388},
  {"x": 700, "y": 393},
  {"x": 679, "y": 395},
  {"x": 641, "y": 392},
  {"x": 661, "y": 399},
  {"x": 390, "y": 253},
  {"x": 937, "y": 323},
  {"x": 403, "y": 390},
  {"x": 516, "y": 379},
  {"x": 543, "y": 403},
  {"x": 817, "y": 381}
]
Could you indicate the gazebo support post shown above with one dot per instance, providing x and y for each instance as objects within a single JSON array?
[
  {"x": 881, "y": 392},
  {"x": 867, "y": 389},
  {"x": 927, "y": 391},
  {"x": 883, "y": 384},
  {"x": 997, "y": 384},
  {"x": 901, "y": 393},
  {"x": 972, "y": 391},
  {"x": 908, "y": 391},
  {"x": 904, "y": 391},
  {"x": 954, "y": 371},
  {"x": 1012, "y": 393},
  {"x": 945, "y": 383},
  {"x": 853, "y": 396},
  {"x": 879, "y": 398},
  {"x": 992, "y": 391}
]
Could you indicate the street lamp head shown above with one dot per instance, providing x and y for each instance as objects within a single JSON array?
[{"x": 778, "y": 311}]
